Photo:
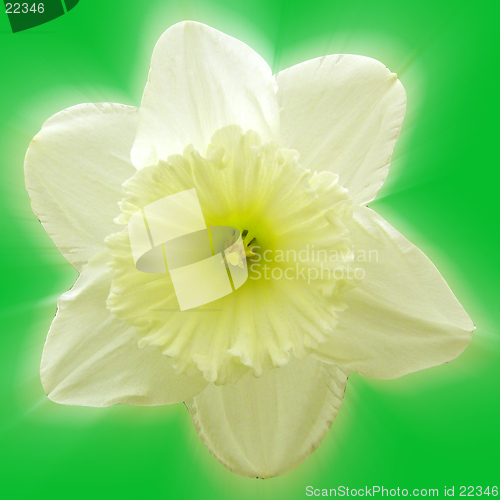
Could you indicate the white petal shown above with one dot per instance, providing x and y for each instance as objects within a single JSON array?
[
  {"x": 74, "y": 169},
  {"x": 403, "y": 317},
  {"x": 343, "y": 113},
  {"x": 92, "y": 358},
  {"x": 201, "y": 80},
  {"x": 264, "y": 427}
]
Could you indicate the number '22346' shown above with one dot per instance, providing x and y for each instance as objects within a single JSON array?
[
  {"x": 24, "y": 8},
  {"x": 471, "y": 491}
]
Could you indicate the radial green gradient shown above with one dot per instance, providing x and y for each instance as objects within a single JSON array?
[{"x": 429, "y": 429}]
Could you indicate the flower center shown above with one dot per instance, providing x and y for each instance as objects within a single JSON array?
[
  {"x": 237, "y": 255},
  {"x": 290, "y": 221}
]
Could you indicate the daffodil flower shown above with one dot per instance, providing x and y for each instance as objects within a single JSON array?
[{"x": 291, "y": 161}]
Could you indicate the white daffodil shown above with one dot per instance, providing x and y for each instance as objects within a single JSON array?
[{"x": 290, "y": 161}]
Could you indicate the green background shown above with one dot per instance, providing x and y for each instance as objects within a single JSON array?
[{"x": 430, "y": 429}]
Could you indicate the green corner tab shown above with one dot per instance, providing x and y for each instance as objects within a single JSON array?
[{"x": 26, "y": 15}]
